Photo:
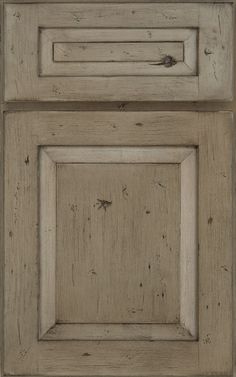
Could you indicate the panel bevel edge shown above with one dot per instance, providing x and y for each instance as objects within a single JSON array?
[
  {"x": 47, "y": 221},
  {"x": 131, "y": 154},
  {"x": 122, "y": 332},
  {"x": 191, "y": 51},
  {"x": 189, "y": 244}
]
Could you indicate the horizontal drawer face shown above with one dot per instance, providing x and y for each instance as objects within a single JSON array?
[{"x": 118, "y": 52}]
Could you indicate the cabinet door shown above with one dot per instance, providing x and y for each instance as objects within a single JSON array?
[
  {"x": 118, "y": 52},
  {"x": 118, "y": 244}
]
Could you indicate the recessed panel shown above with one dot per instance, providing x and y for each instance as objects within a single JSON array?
[
  {"x": 113, "y": 219},
  {"x": 117, "y": 52},
  {"x": 118, "y": 243}
]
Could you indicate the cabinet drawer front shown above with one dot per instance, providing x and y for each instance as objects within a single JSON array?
[
  {"x": 117, "y": 52},
  {"x": 118, "y": 254}
]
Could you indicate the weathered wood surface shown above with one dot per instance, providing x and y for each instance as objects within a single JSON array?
[
  {"x": 117, "y": 106},
  {"x": 31, "y": 73},
  {"x": 213, "y": 134}
]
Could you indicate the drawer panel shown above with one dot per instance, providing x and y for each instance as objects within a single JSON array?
[{"x": 118, "y": 52}]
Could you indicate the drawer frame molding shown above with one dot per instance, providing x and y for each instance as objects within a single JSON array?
[{"x": 210, "y": 59}]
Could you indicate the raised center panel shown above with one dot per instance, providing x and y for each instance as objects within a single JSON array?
[{"x": 118, "y": 242}]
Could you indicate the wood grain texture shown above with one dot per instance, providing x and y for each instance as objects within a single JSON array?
[
  {"x": 96, "y": 157},
  {"x": 215, "y": 164},
  {"x": 117, "y": 52},
  {"x": 118, "y": 106},
  {"x": 122, "y": 155},
  {"x": 213, "y": 81},
  {"x": 120, "y": 261},
  {"x": 1, "y": 204},
  {"x": 121, "y": 332},
  {"x": 189, "y": 243},
  {"x": 113, "y": 1},
  {"x": 47, "y": 241},
  {"x": 211, "y": 133}
]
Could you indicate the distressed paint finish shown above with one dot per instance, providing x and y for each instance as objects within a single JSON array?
[
  {"x": 111, "y": 220},
  {"x": 52, "y": 161},
  {"x": 87, "y": 357},
  {"x": 211, "y": 134},
  {"x": 117, "y": 52},
  {"x": 204, "y": 74},
  {"x": 130, "y": 220}
]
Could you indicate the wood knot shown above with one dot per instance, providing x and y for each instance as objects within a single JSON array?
[{"x": 168, "y": 61}]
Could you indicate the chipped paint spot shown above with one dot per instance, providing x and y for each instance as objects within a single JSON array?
[
  {"x": 125, "y": 192},
  {"x": 122, "y": 107},
  {"x": 210, "y": 220},
  {"x": 17, "y": 15},
  {"x": 224, "y": 267},
  {"x": 103, "y": 204},
  {"x": 73, "y": 274},
  {"x": 207, "y": 339},
  {"x": 92, "y": 272},
  {"x": 76, "y": 18},
  {"x": 73, "y": 207},
  {"x": 207, "y": 51},
  {"x": 27, "y": 160}
]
